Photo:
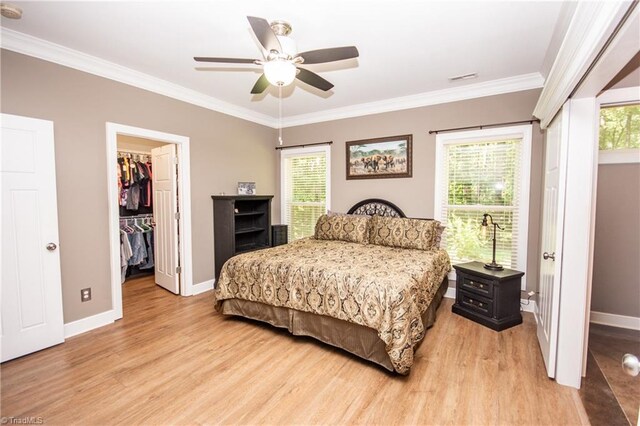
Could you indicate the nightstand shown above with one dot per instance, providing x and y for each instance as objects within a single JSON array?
[{"x": 491, "y": 298}]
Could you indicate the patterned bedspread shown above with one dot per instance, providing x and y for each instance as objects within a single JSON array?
[{"x": 380, "y": 287}]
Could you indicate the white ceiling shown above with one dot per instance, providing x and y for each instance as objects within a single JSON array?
[{"x": 406, "y": 47}]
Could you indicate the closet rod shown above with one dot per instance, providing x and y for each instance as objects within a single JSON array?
[
  {"x": 278, "y": 148},
  {"x": 139, "y": 216},
  {"x": 482, "y": 126},
  {"x": 148, "y": 154}
]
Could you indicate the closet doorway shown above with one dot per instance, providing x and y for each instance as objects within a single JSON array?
[{"x": 149, "y": 209}]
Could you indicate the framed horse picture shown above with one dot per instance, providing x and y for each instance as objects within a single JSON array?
[{"x": 388, "y": 157}]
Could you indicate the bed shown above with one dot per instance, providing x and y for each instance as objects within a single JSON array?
[{"x": 350, "y": 291}]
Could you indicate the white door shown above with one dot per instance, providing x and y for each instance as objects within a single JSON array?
[
  {"x": 30, "y": 291},
  {"x": 165, "y": 209},
  {"x": 547, "y": 307}
]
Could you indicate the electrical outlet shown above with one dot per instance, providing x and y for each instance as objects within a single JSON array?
[{"x": 85, "y": 294}]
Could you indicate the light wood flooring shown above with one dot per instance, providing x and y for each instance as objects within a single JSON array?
[{"x": 174, "y": 360}]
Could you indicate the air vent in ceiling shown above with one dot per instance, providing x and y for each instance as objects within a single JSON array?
[{"x": 464, "y": 76}]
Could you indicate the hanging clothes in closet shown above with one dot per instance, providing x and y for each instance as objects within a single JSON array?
[
  {"x": 135, "y": 204},
  {"x": 136, "y": 243},
  {"x": 134, "y": 182}
]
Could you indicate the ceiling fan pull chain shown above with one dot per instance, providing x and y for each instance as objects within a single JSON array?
[{"x": 280, "y": 114}]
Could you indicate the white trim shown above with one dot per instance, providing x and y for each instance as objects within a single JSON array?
[
  {"x": 524, "y": 132},
  {"x": 614, "y": 320},
  {"x": 470, "y": 91},
  {"x": 52, "y": 52},
  {"x": 184, "y": 206},
  {"x": 284, "y": 153},
  {"x": 576, "y": 237},
  {"x": 89, "y": 323},
  {"x": 591, "y": 26},
  {"x": 531, "y": 307},
  {"x": 450, "y": 293},
  {"x": 619, "y": 156},
  {"x": 203, "y": 287},
  {"x": 623, "y": 95}
]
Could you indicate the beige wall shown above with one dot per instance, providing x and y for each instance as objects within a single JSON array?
[
  {"x": 616, "y": 261},
  {"x": 80, "y": 104},
  {"x": 415, "y": 196}
]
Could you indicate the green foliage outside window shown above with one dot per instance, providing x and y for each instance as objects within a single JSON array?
[
  {"x": 482, "y": 177},
  {"x": 620, "y": 127},
  {"x": 307, "y": 193}
]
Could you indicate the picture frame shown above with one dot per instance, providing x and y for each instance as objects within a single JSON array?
[
  {"x": 380, "y": 158},
  {"x": 246, "y": 188}
]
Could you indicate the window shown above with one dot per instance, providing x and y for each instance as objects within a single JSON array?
[
  {"x": 619, "y": 140},
  {"x": 484, "y": 171},
  {"x": 305, "y": 188}
]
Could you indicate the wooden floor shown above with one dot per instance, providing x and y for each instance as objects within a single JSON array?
[{"x": 174, "y": 360}]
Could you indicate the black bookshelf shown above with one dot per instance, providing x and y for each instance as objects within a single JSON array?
[{"x": 241, "y": 223}]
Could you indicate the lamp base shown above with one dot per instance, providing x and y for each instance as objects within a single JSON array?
[{"x": 493, "y": 266}]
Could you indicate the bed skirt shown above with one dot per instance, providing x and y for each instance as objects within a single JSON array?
[{"x": 357, "y": 339}]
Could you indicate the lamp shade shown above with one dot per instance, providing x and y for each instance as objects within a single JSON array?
[{"x": 280, "y": 72}]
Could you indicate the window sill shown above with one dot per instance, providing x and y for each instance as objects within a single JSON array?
[{"x": 619, "y": 156}]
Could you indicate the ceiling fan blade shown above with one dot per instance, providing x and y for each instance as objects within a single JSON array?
[
  {"x": 260, "y": 85},
  {"x": 329, "y": 55},
  {"x": 313, "y": 79},
  {"x": 226, "y": 60},
  {"x": 265, "y": 34}
]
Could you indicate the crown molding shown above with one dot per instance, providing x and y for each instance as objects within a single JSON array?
[
  {"x": 459, "y": 93},
  {"x": 52, "y": 52},
  {"x": 591, "y": 26}
]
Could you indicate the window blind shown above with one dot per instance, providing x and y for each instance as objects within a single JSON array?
[
  {"x": 481, "y": 177},
  {"x": 304, "y": 192}
]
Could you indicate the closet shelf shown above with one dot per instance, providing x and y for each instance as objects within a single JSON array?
[{"x": 248, "y": 230}]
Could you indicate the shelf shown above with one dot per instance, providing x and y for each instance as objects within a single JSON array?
[
  {"x": 249, "y": 214},
  {"x": 250, "y": 247},
  {"x": 249, "y": 230}
]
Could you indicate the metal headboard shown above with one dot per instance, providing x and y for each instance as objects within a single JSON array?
[{"x": 376, "y": 206}]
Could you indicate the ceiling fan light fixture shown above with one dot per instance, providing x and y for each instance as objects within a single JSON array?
[{"x": 280, "y": 72}]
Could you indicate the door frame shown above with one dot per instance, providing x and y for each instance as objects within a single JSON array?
[
  {"x": 184, "y": 206},
  {"x": 577, "y": 78}
]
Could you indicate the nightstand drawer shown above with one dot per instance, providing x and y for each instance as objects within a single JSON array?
[
  {"x": 476, "y": 303},
  {"x": 476, "y": 285}
]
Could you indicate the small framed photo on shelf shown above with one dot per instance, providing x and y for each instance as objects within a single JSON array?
[{"x": 246, "y": 188}]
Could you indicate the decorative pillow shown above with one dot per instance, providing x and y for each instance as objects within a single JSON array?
[
  {"x": 343, "y": 227},
  {"x": 404, "y": 233}
]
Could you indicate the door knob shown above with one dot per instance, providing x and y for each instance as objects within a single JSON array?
[
  {"x": 547, "y": 256},
  {"x": 630, "y": 364},
  {"x": 51, "y": 246}
]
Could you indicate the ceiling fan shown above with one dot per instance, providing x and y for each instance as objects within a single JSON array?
[{"x": 281, "y": 63}]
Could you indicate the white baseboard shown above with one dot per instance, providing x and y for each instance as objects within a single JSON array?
[
  {"x": 451, "y": 293},
  {"x": 202, "y": 287},
  {"x": 89, "y": 323},
  {"x": 613, "y": 320},
  {"x": 531, "y": 307}
]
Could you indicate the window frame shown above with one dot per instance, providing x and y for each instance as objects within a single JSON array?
[
  {"x": 523, "y": 132},
  {"x": 294, "y": 152},
  {"x": 613, "y": 98}
]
